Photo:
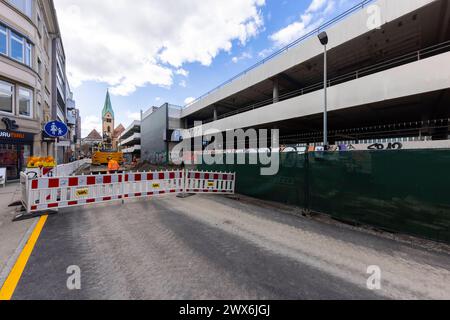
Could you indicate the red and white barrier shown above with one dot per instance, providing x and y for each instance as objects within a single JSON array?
[
  {"x": 56, "y": 193},
  {"x": 210, "y": 182},
  {"x": 138, "y": 185},
  {"x": 40, "y": 194}
]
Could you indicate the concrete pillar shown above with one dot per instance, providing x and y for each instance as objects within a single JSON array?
[
  {"x": 45, "y": 149},
  {"x": 276, "y": 91},
  {"x": 215, "y": 113},
  {"x": 37, "y": 150},
  {"x": 51, "y": 150}
]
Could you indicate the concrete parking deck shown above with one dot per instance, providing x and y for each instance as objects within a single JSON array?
[{"x": 207, "y": 247}]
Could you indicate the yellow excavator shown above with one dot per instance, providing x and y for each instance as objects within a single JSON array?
[{"x": 101, "y": 156}]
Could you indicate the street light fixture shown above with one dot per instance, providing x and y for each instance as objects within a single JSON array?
[{"x": 323, "y": 38}]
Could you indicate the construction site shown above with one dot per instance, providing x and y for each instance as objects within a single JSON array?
[{"x": 352, "y": 117}]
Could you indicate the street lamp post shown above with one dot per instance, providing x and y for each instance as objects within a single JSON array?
[{"x": 323, "y": 37}]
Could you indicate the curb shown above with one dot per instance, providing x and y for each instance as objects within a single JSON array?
[{"x": 4, "y": 273}]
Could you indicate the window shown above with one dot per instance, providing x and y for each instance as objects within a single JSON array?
[
  {"x": 3, "y": 40},
  {"x": 6, "y": 97},
  {"x": 28, "y": 61},
  {"x": 17, "y": 44},
  {"x": 60, "y": 71},
  {"x": 25, "y": 102},
  {"x": 23, "y": 5}
]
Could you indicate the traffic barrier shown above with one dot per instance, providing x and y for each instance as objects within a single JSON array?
[
  {"x": 138, "y": 185},
  {"x": 24, "y": 188},
  {"x": 44, "y": 193},
  {"x": 210, "y": 182},
  {"x": 55, "y": 193}
]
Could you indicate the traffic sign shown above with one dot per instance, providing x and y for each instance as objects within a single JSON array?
[{"x": 56, "y": 129}]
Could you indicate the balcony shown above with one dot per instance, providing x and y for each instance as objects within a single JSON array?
[
  {"x": 134, "y": 139},
  {"x": 386, "y": 85},
  {"x": 132, "y": 149},
  {"x": 71, "y": 118}
]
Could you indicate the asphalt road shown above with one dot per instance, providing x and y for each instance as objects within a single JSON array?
[{"x": 207, "y": 247}]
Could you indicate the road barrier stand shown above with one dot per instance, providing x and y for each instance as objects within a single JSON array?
[
  {"x": 24, "y": 189},
  {"x": 45, "y": 193},
  {"x": 210, "y": 182},
  {"x": 56, "y": 193},
  {"x": 139, "y": 185}
]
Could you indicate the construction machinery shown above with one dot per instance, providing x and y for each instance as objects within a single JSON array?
[{"x": 101, "y": 156}]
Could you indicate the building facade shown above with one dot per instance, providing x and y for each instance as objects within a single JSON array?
[
  {"x": 386, "y": 81},
  {"x": 93, "y": 141},
  {"x": 130, "y": 141},
  {"x": 108, "y": 121},
  {"x": 111, "y": 133},
  {"x": 158, "y": 133},
  {"x": 73, "y": 148},
  {"x": 33, "y": 83}
]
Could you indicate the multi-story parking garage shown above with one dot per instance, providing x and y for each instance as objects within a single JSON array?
[
  {"x": 391, "y": 81},
  {"x": 130, "y": 141}
]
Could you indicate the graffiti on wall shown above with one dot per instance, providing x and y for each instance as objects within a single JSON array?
[
  {"x": 386, "y": 146},
  {"x": 157, "y": 158}
]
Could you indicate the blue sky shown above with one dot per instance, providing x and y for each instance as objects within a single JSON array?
[{"x": 172, "y": 50}]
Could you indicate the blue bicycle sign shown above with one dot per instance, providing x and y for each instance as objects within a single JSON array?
[{"x": 56, "y": 129}]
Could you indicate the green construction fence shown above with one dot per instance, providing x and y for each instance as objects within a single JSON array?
[{"x": 404, "y": 191}]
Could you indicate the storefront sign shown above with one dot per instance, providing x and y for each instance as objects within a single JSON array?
[
  {"x": 11, "y": 125},
  {"x": 64, "y": 144},
  {"x": 56, "y": 129},
  {"x": 15, "y": 137},
  {"x": 47, "y": 138}
]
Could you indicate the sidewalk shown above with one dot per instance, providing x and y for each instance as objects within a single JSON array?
[{"x": 13, "y": 235}]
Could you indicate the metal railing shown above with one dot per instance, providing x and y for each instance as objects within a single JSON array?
[
  {"x": 321, "y": 28},
  {"x": 363, "y": 72},
  {"x": 66, "y": 170},
  {"x": 409, "y": 130}
]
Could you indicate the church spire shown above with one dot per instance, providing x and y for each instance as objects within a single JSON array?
[{"x": 108, "y": 106}]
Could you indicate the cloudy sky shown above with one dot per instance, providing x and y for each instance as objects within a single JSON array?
[{"x": 148, "y": 52}]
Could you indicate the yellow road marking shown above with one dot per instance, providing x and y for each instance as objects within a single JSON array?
[{"x": 13, "y": 279}]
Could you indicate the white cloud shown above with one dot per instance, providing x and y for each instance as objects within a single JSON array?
[
  {"x": 316, "y": 14},
  {"x": 295, "y": 30},
  {"x": 134, "y": 115},
  {"x": 243, "y": 56},
  {"x": 183, "y": 84},
  {"x": 182, "y": 72},
  {"x": 131, "y": 44},
  {"x": 316, "y": 5},
  {"x": 90, "y": 123},
  {"x": 189, "y": 100},
  {"x": 266, "y": 52}
]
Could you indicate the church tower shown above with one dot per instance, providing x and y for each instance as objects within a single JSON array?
[{"x": 108, "y": 120}]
